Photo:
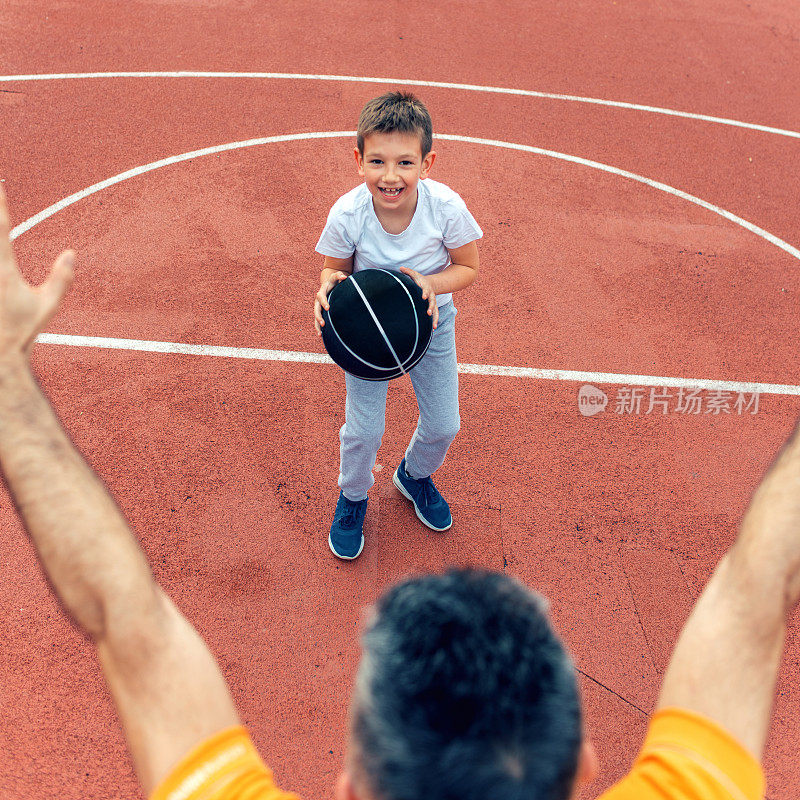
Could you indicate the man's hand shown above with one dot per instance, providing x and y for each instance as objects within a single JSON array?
[
  {"x": 26, "y": 310},
  {"x": 424, "y": 283},
  {"x": 167, "y": 688}
]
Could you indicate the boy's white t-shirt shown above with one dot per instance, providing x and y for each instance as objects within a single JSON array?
[{"x": 441, "y": 221}]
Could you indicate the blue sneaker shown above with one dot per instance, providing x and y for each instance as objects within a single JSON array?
[
  {"x": 430, "y": 506},
  {"x": 346, "y": 538}
]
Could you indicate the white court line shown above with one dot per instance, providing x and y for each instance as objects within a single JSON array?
[
  {"x": 492, "y": 370},
  {"x": 164, "y": 162},
  {"x": 147, "y": 346},
  {"x": 469, "y": 87},
  {"x": 467, "y": 369},
  {"x": 639, "y": 179},
  {"x": 131, "y": 173}
]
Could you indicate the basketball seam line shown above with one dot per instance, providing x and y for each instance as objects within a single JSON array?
[
  {"x": 377, "y": 322},
  {"x": 413, "y": 308},
  {"x": 353, "y": 352}
]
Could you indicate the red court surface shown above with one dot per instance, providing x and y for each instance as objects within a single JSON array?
[{"x": 227, "y": 467}]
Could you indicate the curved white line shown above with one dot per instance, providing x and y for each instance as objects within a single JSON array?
[
  {"x": 793, "y": 251},
  {"x": 131, "y": 173},
  {"x": 469, "y": 87},
  {"x": 164, "y": 162}
]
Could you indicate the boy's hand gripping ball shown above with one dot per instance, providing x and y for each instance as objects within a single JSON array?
[{"x": 377, "y": 327}]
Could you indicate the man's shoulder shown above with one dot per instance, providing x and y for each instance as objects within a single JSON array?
[
  {"x": 352, "y": 203},
  {"x": 687, "y": 756}
]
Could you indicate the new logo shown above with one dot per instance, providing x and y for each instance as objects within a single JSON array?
[{"x": 591, "y": 400}]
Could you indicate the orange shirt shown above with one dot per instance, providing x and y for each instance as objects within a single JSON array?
[
  {"x": 224, "y": 767},
  {"x": 685, "y": 757}
]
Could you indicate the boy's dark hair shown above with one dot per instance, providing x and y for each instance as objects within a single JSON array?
[
  {"x": 464, "y": 692},
  {"x": 396, "y": 111}
]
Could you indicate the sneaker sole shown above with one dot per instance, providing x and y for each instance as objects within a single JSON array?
[
  {"x": 345, "y": 558},
  {"x": 400, "y": 488}
]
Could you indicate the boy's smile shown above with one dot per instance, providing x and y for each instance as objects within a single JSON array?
[{"x": 392, "y": 165}]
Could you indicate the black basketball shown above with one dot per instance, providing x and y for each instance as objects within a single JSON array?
[{"x": 378, "y": 326}]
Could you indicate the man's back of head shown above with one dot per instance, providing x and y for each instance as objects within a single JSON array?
[{"x": 464, "y": 691}]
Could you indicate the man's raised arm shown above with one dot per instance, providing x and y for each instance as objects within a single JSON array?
[
  {"x": 165, "y": 683},
  {"x": 726, "y": 661}
]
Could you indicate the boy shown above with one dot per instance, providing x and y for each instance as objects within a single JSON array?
[{"x": 398, "y": 220}]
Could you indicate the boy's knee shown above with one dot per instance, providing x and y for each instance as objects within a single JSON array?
[
  {"x": 445, "y": 431},
  {"x": 364, "y": 435},
  {"x": 452, "y": 431}
]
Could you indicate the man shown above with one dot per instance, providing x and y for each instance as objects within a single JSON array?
[{"x": 463, "y": 691}]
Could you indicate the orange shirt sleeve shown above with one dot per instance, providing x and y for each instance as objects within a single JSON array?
[
  {"x": 224, "y": 767},
  {"x": 686, "y": 756}
]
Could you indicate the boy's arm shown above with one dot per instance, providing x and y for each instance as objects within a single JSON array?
[
  {"x": 727, "y": 657},
  {"x": 334, "y": 270},
  {"x": 461, "y": 273},
  {"x": 166, "y": 685}
]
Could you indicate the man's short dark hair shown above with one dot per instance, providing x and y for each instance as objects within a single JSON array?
[
  {"x": 400, "y": 112},
  {"x": 464, "y": 692}
]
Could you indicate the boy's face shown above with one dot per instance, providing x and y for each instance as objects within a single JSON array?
[{"x": 392, "y": 165}]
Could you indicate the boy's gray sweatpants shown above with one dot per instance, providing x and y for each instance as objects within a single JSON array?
[{"x": 435, "y": 382}]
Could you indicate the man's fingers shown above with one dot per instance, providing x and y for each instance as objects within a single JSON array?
[
  {"x": 26, "y": 310},
  {"x": 63, "y": 267},
  {"x": 60, "y": 278},
  {"x": 3, "y": 211},
  {"x": 3, "y": 206},
  {"x": 7, "y": 262},
  {"x": 52, "y": 291}
]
